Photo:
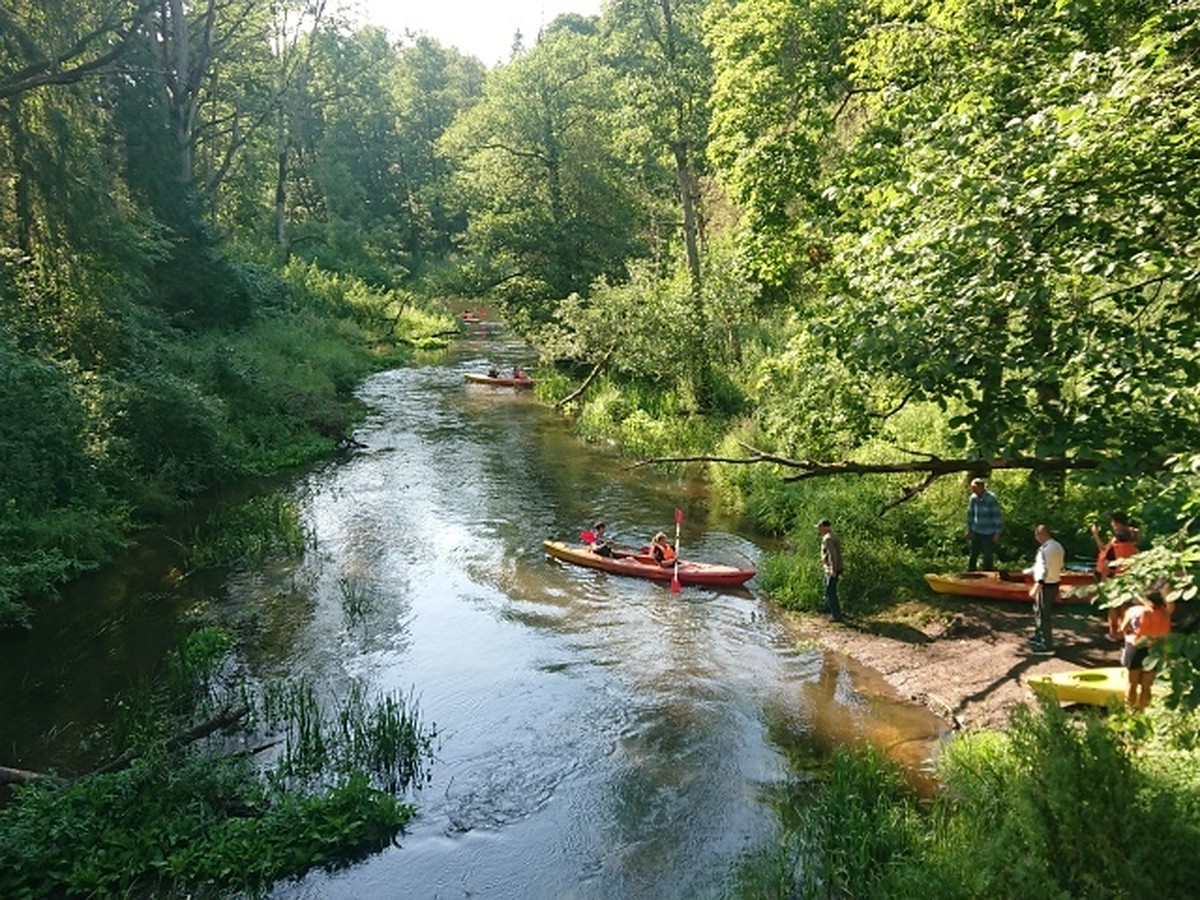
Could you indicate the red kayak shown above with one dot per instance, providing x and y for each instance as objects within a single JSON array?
[
  {"x": 642, "y": 565},
  {"x": 1009, "y": 585},
  {"x": 499, "y": 380}
]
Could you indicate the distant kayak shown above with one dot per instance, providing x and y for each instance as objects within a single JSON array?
[
  {"x": 1099, "y": 687},
  {"x": 499, "y": 380},
  {"x": 1007, "y": 585},
  {"x": 642, "y": 565}
]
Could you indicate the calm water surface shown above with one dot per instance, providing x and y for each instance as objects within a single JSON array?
[{"x": 598, "y": 737}]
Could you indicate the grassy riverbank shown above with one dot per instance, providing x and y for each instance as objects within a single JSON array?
[{"x": 164, "y": 413}]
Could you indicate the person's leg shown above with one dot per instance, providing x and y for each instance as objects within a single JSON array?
[
  {"x": 1039, "y": 636},
  {"x": 1049, "y": 596},
  {"x": 1145, "y": 679},
  {"x": 831, "y": 597},
  {"x": 989, "y": 551},
  {"x": 972, "y": 552},
  {"x": 1131, "y": 692}
]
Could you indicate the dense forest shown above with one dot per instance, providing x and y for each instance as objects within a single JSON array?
[{"x": 799, "y": 241}]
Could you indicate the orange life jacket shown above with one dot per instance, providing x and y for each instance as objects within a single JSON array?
[
  {"x": 1106, "y": 561},
  {"x": 1154, "y": 623}
]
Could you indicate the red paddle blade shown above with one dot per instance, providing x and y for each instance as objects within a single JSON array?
[
  {"x": 678, "y": 515},
  {"x": 675, "y": 587}
]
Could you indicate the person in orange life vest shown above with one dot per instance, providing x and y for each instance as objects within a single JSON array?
[
  {"x": 1122, "y": 545},
  {"x": 662, "y": 550},
  {"x": 1141, "y": 624}
]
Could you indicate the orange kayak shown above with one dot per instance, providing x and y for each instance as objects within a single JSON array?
[
  {"x": 640, "y": 565},
  {"x": 1008, "y": 585}
]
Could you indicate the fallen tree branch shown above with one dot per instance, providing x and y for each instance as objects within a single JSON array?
[
  {"x": 591, "y": 376},
  {"x": 9, "y": 775},
  {"x": 934, "y": 467},
  {"x": 226, "y": 717}
]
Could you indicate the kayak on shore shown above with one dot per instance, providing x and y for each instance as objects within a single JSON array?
[
  {"x": 1099, "y": 687},
  {"x": 499, "y": 380},
  {"x": 1008, "y": 586},
  {"x": 642, "y": 565}
]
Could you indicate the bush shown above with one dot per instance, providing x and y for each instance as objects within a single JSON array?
[{"x": 1059, "y": 807}]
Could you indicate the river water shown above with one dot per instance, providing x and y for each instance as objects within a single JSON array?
[{"x": 598, "y": 736}]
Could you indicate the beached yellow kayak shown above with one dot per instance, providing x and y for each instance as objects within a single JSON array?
[{"x": 1099, "y": 687}]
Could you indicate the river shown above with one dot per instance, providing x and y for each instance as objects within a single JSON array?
[{"x": 598, "y": 736}]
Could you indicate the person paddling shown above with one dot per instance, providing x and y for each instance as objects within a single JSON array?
[
  {"x": 597, "y": 540},
  {"x": 662, "y": 550}
]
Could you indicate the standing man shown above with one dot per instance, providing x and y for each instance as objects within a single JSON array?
[
  {"x": 1047, "y": 571},
  {"x": 831, "y": 562},
  {"x": 984, "y": 523}
]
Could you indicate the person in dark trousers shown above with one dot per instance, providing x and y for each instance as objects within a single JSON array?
[
  {"x": 831, "y": 562},
  {"x": 984, "y": 524},
  {"x": 1047, "y": 571}
]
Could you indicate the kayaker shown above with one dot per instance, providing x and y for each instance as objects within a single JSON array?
[
  {"x": 662, "y": 549},
  {"x": 494, "y": 371},
  {"x": 1142, "y": 624},
  {"x": 831, "y": 564},
  {"x": 520, "y": 374},
  {"x": 1121, "y": 546},
  {"x": 1047, "y": 571},
  {"x": 984, "y": 524},
  {"x": 597, "y": 539}
]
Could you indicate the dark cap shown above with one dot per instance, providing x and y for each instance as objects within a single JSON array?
[{"x": 824, "y": 523}]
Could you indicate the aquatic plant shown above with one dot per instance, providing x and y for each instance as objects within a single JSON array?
[{"x": 249, "y": 532}]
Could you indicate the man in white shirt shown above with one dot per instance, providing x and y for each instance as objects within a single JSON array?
[{"x": 1047, "y": 571}]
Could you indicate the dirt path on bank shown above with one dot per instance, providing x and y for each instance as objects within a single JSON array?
[{"x": 964, "y": 658}]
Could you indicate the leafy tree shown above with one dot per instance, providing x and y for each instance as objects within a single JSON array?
[
  {"x": 657, "y": 47},
  {"x": 989, "y": 203},
  {"x": 430, "y": 85},
  {"x": 552, "y": 207}
]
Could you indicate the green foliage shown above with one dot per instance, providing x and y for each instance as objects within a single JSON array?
[
  {"x": 958, "y": 197},
  {"x": 883, "y": 557},
  {"x": 46, "y": 462},
  {"x": 249, "y": 533},
  {"x": 384, "y": 738},
  {"x": 551, "y": 198},
  {"x": 166, "y": 827},
  {"x": 849, "y": 830},
  {"x": 188, "y": 817},
  {"x": 1023, "y": 811},
  {"x": 1058, "y": 807}
]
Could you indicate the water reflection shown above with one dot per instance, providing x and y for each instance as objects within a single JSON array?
[{"x": 599, "y": 736}]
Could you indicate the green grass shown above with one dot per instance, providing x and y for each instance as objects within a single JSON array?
[{"x": 1059, "y": 806}]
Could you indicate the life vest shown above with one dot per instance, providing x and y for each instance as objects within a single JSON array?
[
  {"x": 1115, "y": 549},
  {"x": 1146, "y": 622},
  {"x": 664, "y": 553},
  {"x": 1154, "y": 623}
]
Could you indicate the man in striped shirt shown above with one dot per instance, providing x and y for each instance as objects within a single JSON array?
[{"x": 984, "y": 523}]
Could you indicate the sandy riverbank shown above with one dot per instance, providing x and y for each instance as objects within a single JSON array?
[{"x": 965, "y": 659}]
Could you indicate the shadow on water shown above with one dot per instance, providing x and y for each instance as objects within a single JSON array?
[{"x": 598, "y": 735}]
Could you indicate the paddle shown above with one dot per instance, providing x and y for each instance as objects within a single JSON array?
[{"x": 675, "y": 578}]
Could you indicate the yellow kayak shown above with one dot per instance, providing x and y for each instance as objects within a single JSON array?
[{"x": 1099, "y": 687}]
